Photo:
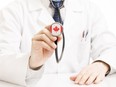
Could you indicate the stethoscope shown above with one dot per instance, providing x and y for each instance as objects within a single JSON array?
[{"x": 57, "y": 28}]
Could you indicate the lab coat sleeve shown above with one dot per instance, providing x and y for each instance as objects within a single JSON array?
[
  {"x": 103, "y": 42},
  {"x": 33, "y": 76},
  {"x": 13, "y": 63}
]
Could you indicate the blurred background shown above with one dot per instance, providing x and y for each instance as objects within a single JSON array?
[{"x": 108, "y": 8}]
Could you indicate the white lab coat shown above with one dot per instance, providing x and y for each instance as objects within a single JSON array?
[{"x": 21, "y": 20}]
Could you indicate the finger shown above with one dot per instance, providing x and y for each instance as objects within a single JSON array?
[
  {"x": 85, "y": 77},
  {"x": 92, "y": 78},
  {"x": 45, "y": 45},
  {"x": 73, "y": 78},
  {"x": 99, "y": 78},
  {"x": 48, "y": 34},
  {"x": 79, "y": 76},
  {"x": 43, "y": 37}
]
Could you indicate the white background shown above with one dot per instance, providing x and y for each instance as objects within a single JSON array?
[{"x": 108, "y": 8}]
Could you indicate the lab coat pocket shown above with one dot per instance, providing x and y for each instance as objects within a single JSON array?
[{"x": 84, "y": 46}]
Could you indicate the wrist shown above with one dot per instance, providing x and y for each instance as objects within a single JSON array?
[
  {"x": 105, "y": 66},
  {"x": 36, "y": 68},
  {"x": 33, "y": 64}
]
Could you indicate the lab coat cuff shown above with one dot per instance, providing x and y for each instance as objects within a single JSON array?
[
  {"x": 112, "y": 67},
  {"x": 33, "y": 76}
]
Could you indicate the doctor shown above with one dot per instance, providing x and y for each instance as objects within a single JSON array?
[{"x": 27, "y": 46}]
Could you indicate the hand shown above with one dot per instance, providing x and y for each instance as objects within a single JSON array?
[
  {"x": 43, "y": 47},
  {"x": 93, "y": 73}
]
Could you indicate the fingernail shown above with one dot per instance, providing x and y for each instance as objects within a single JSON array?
[
  {"x": 80, "y": 83},
  {"x": 55, "y": 38},
  {"x": 76, "y": 82},
  {"x": 55, "y": 46},
  {"x": 87, "y": 83}
]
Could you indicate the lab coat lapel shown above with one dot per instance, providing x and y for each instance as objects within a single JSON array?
[
  {"x": 44, "y": 18},
  {"x": 34, "y": 5},
  {"x": 75, "y": 5},
  {"x": 73, "y": 14},
  {"x": 75, "y": 24},
  {"x": 72, "y": 26}
]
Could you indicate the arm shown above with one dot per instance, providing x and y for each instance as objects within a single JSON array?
[
  {"x": 103, "y": 42},
  {"x": 14, "y": 65},
  {"x": 103, "y": 48}
]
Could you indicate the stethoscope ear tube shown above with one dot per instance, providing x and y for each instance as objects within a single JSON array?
[
  {"x": 56, "y": 50},
  {"x": 56, "y": 30},
  {"x": 57, "y": 27}
]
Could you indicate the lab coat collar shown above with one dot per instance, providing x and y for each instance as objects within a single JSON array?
[
  {"x": 75, "y": 5},
  {"x": 37, "y": 5},
  {"x": 34, "y": 5},
  {"x": 44, "y": 17}
]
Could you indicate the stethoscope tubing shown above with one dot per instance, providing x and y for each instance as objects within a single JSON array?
[{"x": 56, "y": 42}]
